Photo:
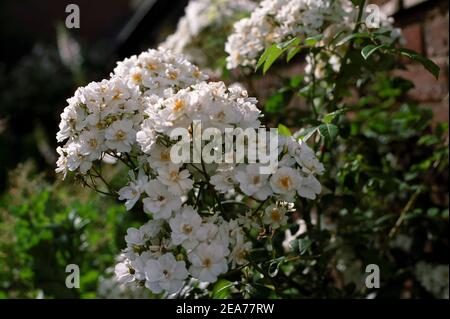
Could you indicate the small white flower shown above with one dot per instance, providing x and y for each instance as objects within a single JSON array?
[
  {"x": 309, "y": 187},
  {"x": 91, "y": 144},
  {"x": 284, "y": 182},
  {"x": 124, "y": 273},
  {"x": 134, "y": 237},
  {"x": 61, "y": 164},
  {"x": 239, "y": 253},
  {"x": 165, "y": 274},
  {"x": 160, "y": 202},
  {"x": 120, "y": 136},
  {"x": 177, "y": 181},
  {"x": 185, "y": 226},
  {"x": 137, "y": 265},
  {"x": 305, "y": 157},
  {"x": 132, "y": 192},
  {"x": 223, "y": 181},
  {"x": 146, "y": 137},
  {"x": 159, "y": 156},
  {"x": 208, "y": 262},
  {"x": 275, "y": 216},
  {"x": 252, "y": 183}
]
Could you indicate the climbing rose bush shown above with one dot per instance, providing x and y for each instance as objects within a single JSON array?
[
  {"x": 211, "y": 210},
  {"x": 275, "y": 21},
  {"x": 131, "y": 117}
]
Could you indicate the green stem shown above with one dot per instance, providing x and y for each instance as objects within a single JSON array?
[{"x": 336, "y": 93}]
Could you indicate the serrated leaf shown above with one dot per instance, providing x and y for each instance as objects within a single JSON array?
[
  {"x": 367, "y": 51},
  {"x": 427, "y": 63},
  {"x": 221, "y": 289},
  {"x": 262, "y": 58},
  {"x": 289, "y": 43},
  {"x": 352, "y": 37},
  {"x": 307, "y": 133},
  {"x": 303, "y": 245},
  {"x": 273, "y": 55},
  {"x": 331, "y": 116},
  {"x": 283, "y": 130},
  {"x": 292, "y": 53},
  {"x": 328, "y": 131},
  {"x": 311, "y": 41},
  {"x": 274, "y": 266}
]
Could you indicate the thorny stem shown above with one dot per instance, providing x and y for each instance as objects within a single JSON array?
[{"x": 403, "y": 213}]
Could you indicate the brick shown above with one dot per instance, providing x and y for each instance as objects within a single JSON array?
[
  {"x": 412, "y": 3},
  {"x": 436, "y": 35},
  {"x": 413, "y": 35},
  {"x": 440, "y": 110},
  {"x": 427, "y": 88}
]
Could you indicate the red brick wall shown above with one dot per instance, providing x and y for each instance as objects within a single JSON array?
[{"x": 425, "y": 26}]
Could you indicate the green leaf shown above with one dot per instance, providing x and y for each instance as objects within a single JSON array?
[
  {"x": 283, "y": 130},
  {"x": 274, "y": 54},
  {"x": 274, "y": 266},
  {"x": 262, "y": 58},
  {"x": 367, "y": 51},
  {"x": 311, "y": 41},
  {"x": 292, "y": 53},
  {"x": 328, "y": 131},
  {"x": 289, "y": 43},
  {"x": 274, "y": 103},
  {"x": 433, "y": 212},
  {"x": 352, "y": 37},
  {"x": 427, "y": 63},
  {"x": 221, "y": 289},
  {"x": 306, "y": 133},
  {"x": 327, "y": 119},
  {"x": 303, "y": 245}
]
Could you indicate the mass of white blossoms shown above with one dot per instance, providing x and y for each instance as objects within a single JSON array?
[
  {"x": 102, "y": 118},
  {"x": 275, "y": 21},
  {"x": 201, "y": 14},
  {"x": 131, "y": 116}
]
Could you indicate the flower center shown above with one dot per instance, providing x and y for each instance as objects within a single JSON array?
[
  {"x": 174, "y": 176},
  {"x": 241, "y": 254},
  {"x": 207, "y": 263},
  {"x": 151, "y": 66},
  {"x": 165, "y": 156},
  {"x": 196, "y": 73},
  {"x": 286, "y": 182},
  {"x": 275, "y": 215},
  {"x": 221, "y": 115},
  {"x": 173, "y": 75},
  {"x": 179, "y": 105},
  {"x": 256, "y": 179},
  {"x": 118, "y": 95},
  {"x": 120, "y": 135},
  {"x": 187, "y": 229},
  {"x": 93, "y": 143},
  {"x": 137, "y": 77}
]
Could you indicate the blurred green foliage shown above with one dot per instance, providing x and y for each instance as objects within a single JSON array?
[{"x": 45, "y": 226}]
